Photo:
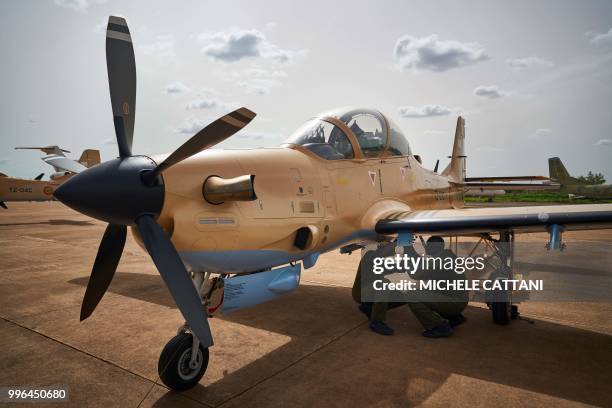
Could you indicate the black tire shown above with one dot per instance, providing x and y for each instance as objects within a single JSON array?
[
  {"x": 173, "y": 368},
  {"x": 501, "y": 312}
]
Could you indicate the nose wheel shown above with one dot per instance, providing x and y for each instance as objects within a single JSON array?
[{"x": 183, "y": 362}]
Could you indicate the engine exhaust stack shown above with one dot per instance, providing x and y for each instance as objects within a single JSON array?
[{"x": 217, "y": 190}]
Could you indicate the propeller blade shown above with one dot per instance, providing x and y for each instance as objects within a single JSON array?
[
  {"x": 214, "y": 133},
  {"x": 107, "y": 259},
  {"x": 176, "y": 277},
  {"x": 121, "y": 67}
]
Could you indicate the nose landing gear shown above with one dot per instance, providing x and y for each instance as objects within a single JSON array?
[
  {"x": 179, "y": 367},
  {"x": 184, "y": 360}
]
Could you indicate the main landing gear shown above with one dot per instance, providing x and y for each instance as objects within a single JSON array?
[
  {"x": 184, "y": 360},
  {"x": 500, "y": 302}
]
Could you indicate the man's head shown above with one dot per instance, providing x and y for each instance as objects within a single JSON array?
[{"x": 435, "y": 246}]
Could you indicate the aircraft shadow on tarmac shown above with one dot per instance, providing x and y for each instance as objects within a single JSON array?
[
  {"x": 50, "y": 222},
  {"x": 546, "y": 358}
]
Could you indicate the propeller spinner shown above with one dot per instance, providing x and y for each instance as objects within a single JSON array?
[{"x": 129, "y": 190}]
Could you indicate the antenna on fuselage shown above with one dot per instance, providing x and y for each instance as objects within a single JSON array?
[{"x": 436, "y": 167}]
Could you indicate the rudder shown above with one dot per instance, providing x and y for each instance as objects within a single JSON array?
[
  {"x": 90, "y": 157},
  {"x": 456, "y": 168}
]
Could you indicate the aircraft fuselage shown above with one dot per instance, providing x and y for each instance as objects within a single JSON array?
[{"x": 337, "y": 201}]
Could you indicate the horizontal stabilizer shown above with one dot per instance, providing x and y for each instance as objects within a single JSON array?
[
  {"x": 46, "y": 149},
  {"x": 60, "y": 163},
  {"x": 512, "y": 186},
  {"x": 509, "y": 178}
]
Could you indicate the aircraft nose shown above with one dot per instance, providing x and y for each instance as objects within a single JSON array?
[
  {"x": 113, "y": 191},
  {"x": 66, "y": 193}
]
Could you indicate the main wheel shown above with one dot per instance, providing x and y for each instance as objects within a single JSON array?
[
  {"x": 175, "y": 368},
  {"x": 501, "y": 312}
]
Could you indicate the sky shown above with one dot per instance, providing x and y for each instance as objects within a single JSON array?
[{"x": 532, "y": 79}]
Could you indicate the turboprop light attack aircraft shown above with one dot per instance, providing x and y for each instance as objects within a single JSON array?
[
  {"x": 575, "y": 187},
  {"x": 63, "y": 165},
  {"x": 18, "y": 189},
  {"x": 252, "y": 217}
]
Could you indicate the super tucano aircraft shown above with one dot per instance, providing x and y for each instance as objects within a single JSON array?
[
  {"x": 19, "y": 189},
  {"x": 575, "y": 187},
  {"x": 63, "y": 165},
  {"x": 250, "y": 216}
]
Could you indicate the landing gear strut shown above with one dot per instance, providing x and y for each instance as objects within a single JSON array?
[
  {"x": 500, "y": 302},
  {"x": 184, "y": 360}
]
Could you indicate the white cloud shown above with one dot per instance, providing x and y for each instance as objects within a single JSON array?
[
  {"x": 162, "y": 47},
  {"x": 539, "y": 133},
  {"x": 250, "y": 135},
  {"x": 100, "y": 28},
  {"x": 176, "y": 87},
  {"x": 208, "y": 91},
  {"x": 431, "y": 54},
  {"x": 192, "y": 126},
  {"x": 78, "y": 5},
  {"x": 257, "y": 80},
  {"x": 490, "y": 91},
  {"x": 424, "y": 111},
  {"x": 271, "y": 25},
  {"x": 236, "y": 44},
  {"x": 434, "y": 132},
  {"x": 600, "y": 38},
  {"x": 204, "y": 104},
  {"x": 604, "y": 142},
  {"x": 258, "y": 86},
  {"x": 528, "y": 62}
]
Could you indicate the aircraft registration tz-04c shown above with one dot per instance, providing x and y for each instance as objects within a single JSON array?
[
  {"x": 17, "y": 189},
  {"x": 227, "y": 229}
]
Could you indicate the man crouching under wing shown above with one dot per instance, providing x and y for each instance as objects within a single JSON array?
[{"x": 439, "y": 311}]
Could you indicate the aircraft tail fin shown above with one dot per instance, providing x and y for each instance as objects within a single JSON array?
[
  {"x": 39, "y": 177},
  {"x": 3, "y": 205},
  {"x": 456, "y": 168},
  {"x": 90, "y": 157},
  {"x": 558, "y": 172}
]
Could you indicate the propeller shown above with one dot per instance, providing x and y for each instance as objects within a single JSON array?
[{"x": 129, "y": 190}]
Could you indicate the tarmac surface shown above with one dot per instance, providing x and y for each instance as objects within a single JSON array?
[{"x": 309, "y": 348}]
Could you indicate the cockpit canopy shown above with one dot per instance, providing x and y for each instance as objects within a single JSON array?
[{"x": 351, "y": 134}]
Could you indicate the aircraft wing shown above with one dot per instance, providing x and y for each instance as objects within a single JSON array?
[
  {"x": 483, "y": 220},
  {"x": 61, "y": 163}
]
